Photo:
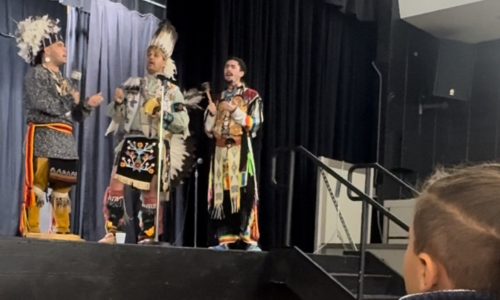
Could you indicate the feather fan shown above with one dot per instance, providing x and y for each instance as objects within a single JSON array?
[{"x": 192, "y": 98}]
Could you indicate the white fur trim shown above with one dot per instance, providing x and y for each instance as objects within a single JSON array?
[
  {"x": 59, "y": 195},
  {"x": 113, "y": 127},
  {"x": 40, "y": 195},
  {"x": 132, "y": 82}
]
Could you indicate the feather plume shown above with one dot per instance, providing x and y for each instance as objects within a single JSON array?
[
  {"x": 31, "y": 33},
  {"x": 192, "y": 98},
  {"x": 181, "y": 158},
  {"x": 164, "y": 39}
]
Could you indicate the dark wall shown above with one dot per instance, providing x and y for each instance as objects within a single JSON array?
[
  {"x": 413, "y": 55},
  {"x": 484, "y": 120},
  {"x": 416, "y": 140}
]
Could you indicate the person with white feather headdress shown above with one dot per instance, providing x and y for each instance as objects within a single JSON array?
[
  {"x": 52, "y": 106},
  {"x": 137, "y": 106}
]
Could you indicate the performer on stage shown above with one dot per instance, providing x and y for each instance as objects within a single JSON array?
[
  {"x": 52, "y": 106},
  {"x": 137, "y": 105},
  {"x": 233, "y": 121}
]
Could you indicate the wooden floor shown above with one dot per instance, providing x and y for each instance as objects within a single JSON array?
[{"x": 55, "y": 237}]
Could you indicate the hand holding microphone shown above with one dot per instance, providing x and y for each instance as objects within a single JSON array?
[
  {"x": 76, "y": 76},
  {"x": 94, "y": 101},
  {"x": 76, "y": 96}
]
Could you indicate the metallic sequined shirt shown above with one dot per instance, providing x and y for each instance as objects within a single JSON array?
[{"x": 44, "y": 103}]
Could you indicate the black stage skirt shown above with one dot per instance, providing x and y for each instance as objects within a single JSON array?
[{"x": 137, "y": 162}]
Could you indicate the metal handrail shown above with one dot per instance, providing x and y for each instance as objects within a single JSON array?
[
  {"x": 364, "y": 219},
  {"x": 350, "y": 186},
  {"x": 377, "y": 167},
  {"x": 364, "y": 212},
  {"x": 363, "y": 197}
]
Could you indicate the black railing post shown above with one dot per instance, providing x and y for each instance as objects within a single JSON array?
[
  {"x": 364, "y": 235},
  {"x": 290, "y": 199},
  {"x": 273, "y": 170},
  {"x": 350, "y": 186},
  {"x": 384, "y": 171}
]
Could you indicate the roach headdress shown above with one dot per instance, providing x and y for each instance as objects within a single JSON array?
[{"x": 35, "y": 34}]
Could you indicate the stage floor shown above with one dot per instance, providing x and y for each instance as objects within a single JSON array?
[{"x": 43, "y": 269}]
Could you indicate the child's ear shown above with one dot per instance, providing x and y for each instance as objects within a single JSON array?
[{"x": 428, "y": 272}]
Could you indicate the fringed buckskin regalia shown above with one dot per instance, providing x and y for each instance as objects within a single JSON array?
[
  {"x": 136, "y": 156},
  {"x": 232, "y": 194},
  {"x": 50, "y": 149}
]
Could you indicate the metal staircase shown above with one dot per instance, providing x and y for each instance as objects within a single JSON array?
[
  {"x": 311, "y": 276},
  {"x": 353, "y": 275},
  {"x": 381, "y": 282}
]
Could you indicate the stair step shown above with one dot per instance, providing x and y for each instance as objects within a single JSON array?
[
  {"x": 357, "y": 275},
  {"x": 380, "y": 282},
  {"x": 340, "y": 263},
  {"x": 380, "y": 297},
  {"x": 374, "y": 284},
  {"x": 337, "y": 263}
]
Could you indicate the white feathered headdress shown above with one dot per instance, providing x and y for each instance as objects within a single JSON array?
[
  {"x": 164, "y": 39},
  {"x": 34, "y": 34}
]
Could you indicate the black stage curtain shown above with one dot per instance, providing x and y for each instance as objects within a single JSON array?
[
  {"x": 312, "y": 66},
  {"x": 363, "y": 9}
]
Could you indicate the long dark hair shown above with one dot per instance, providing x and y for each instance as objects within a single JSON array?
[
  {"x": 241, "y": 62},
  {"x": 38, "y": 59}
]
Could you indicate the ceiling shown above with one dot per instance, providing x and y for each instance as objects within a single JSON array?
[{"x": 470, "y": 23}]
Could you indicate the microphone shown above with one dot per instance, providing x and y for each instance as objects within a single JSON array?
[
  {"x": 162, "y": 77},
  {"x": 199, "y": 161},
  {"x": 76, "y": 76}
]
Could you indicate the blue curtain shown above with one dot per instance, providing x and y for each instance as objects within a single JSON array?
[
  {"x": 12, "y": 119},
  {"x": 118, "y": 39},
  {"x": 137, "y": 5},
  {"x": 77, "y": 41}
]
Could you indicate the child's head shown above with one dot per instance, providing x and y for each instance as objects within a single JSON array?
[{"x": 455, "y": 236}]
